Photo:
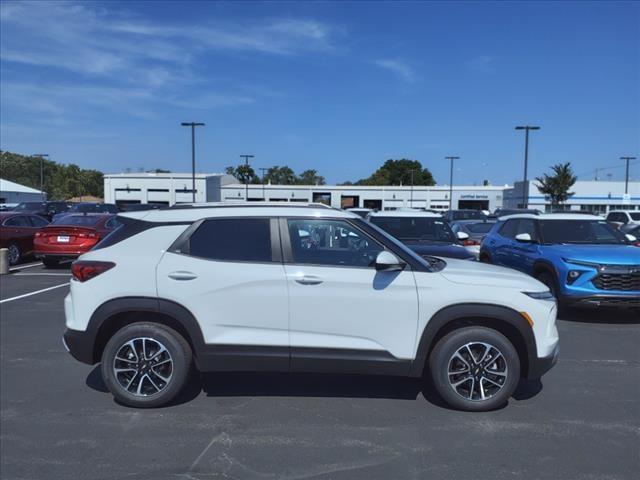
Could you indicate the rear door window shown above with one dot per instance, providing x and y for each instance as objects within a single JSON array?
[
  {"x": 19, "y": 221},
  {"x": 38, "y": 222},
  {"x": 232, "y": 240}
]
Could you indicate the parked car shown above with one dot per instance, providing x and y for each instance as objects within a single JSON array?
[
  {"x": 427, "y": 234},
  {"x": 452, "y": 215},
  {"x": 624, "y": 217},
  {"x": 139, "y": 207},
  {"x": 503, "y": 212},
  {"x": 476, "y": 230},
  {"x": 236, "y": 288},
  {"x": 44, "y": 209},
  {"x": 361, "y": 212},
  {"x": 69, "y": 236},
  {"x": 90, "y": 207},
  {"x": 582, "y": 259},
  {"x": 16, "y": 233}
]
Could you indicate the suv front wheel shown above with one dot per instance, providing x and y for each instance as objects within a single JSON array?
[
  {"x": 475, "y": 368},
  {"x": 146, "y": 364}
]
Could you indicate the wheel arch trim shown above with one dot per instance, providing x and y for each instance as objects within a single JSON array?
[{"x": 469, "y": 314}]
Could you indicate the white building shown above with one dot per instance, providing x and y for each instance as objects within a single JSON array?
[
  {"x": 163, "y": 188},
  {"x": 594, "y": 196},
  {"x": 172, "y": 188},
  {"x": 11, "y": 193}
]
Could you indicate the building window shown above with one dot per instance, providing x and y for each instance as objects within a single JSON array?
[{"x": 322, "y": 197}]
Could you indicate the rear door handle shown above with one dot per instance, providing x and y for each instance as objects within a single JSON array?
[
  {"x": 181, "y": 275},
  {"x": 309, "y": 280}
]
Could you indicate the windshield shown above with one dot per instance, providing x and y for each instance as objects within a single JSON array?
[
  {"x": 79, "y": 220},
  {"x": 579, "y": 231},
  {"x": 416, "y": 228},
  {"x": 479, "y": 227}
]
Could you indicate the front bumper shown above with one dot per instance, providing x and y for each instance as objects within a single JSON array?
[
  {"x": 540, "y": 366},
  {"x": 602, "y": 300},
  {"x": 79, "y": 344}
]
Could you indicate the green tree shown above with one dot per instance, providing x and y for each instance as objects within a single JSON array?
[
  {"x": 310, "y": 177},
  {"x": 557, "y": 186},
  {"x": 280, "y": 176},
  {"x": 396, "y": 172},
  {"x": 244, "y": 173}
]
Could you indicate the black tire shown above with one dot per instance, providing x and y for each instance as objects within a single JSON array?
[
  {"x": 550, "y": 281},
  {"x": 507, "y": 364},
  {"x": 15, "y": 255},
  {"x": 179, "y": 354},
  {"x": 50, "y": 262},
  {"x": 485, "y": 257}
]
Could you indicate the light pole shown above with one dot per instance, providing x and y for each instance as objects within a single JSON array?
[
  {"x": 193, "y": 126},
  {"x": 263, "y": 169},
  {"x": 246, "y": 176},
  {"x": 626, "y": 177},
  {"x": 451, "y": 180},
  {"x": 525, "y": 190},
  {"x": 41, "y": 157}
]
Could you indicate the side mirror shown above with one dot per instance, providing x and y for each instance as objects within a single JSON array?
[
  {"x": 462, "y": 236},
  {"x": 388, "y": 262},
  {"x": 631, "y": 238},
  {"x": 524, "y": 238}
]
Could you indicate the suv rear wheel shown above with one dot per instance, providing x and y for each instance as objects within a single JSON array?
[
  {"x": 146, "y": 364},
  {"x": 475, "y": 368}
]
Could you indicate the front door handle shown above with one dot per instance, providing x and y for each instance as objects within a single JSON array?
[
  {"x": 182, "y": 275},
  {"x": 309, "y": 280}
]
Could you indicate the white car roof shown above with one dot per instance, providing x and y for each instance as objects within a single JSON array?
[
  {"x": 196, "y": 211},
  {"x": 405, "y": 212},
  {"x": 553, "y": 216}
]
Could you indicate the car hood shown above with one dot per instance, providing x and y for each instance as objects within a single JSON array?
[
  {"x": 440, "y": 250},
  {"x": 602, "y": 254},
  {"x": 473, "y": 273}
]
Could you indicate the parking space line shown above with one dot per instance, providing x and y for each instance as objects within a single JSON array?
[
  {"x": 41, "y": 274},
  {"x": 33, "y": 293},
  {"x": 28, "y": 265}
]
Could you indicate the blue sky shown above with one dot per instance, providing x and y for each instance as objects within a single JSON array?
[{"x": 335, "y": 86}]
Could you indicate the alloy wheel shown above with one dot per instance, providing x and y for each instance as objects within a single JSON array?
[
  {"x": 14, "y": 254},
  {"x": 477, "y": 371},
  {"x": 143, "y": 366}
]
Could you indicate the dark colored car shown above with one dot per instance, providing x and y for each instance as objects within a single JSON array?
[
  {"x": 427, "y": 234},
  {"x": 453, "y": 215},
  {"x": 17, "y": 231},
  {"x": 503, "y": 212},
  {"x": 476, "y": 229},
  {"x": 69, "y": 236},
  {"x": 90, "y": 207},
  {"x": 45, "y": 209}
]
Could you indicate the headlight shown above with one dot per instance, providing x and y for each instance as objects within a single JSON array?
[
  {"x": 541, "y": 295},
  {"x": 580, "y": 262}
]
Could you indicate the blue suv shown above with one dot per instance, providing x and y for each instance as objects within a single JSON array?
[{"x": 581, "y": 258}]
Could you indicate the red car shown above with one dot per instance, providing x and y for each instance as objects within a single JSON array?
[
  {"x": 70, "y": 236},
  {"x": 17, "y": 231}
]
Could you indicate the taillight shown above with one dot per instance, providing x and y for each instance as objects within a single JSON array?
[
  {"x": 469, "y": 242},
  {"x": 83, "y": 270},
  {"x": 38, "y": 234}
]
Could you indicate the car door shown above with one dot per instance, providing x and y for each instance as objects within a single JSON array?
[
  {"x": 523, "y": 254},
  {"x": 500, "y": 244},
  {"x": 228, "y": 273},
  {"x": 21, "y": 232},
  {"x": 345, "y": 315}
]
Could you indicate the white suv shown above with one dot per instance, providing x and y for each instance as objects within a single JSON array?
[
  {"x": 298, "y": 288},
  {"x": 624, "y": 217}
]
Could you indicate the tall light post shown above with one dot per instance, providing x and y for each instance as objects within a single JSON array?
[
  {"x": 451, "y": 180},
  {"x": 263, "y": 169},
  {"x": 525, "y": 190},
  {"x": 626, "y": 177},
  {"x": 411, "y": 195},
  {"x": 41, "y": 157},
  {"x": 246, "y": 177},
  {"x": 193, "y": 126}
]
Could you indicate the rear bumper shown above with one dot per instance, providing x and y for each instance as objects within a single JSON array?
[
  {"x": 79, "y": 344},
  {"x": 539, "y": 366}
]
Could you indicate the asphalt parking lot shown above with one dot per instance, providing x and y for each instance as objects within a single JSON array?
[{"x": 58, "y": 421}]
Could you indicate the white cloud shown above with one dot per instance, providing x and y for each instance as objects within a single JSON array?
[{"x": 398, "y": 67}]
